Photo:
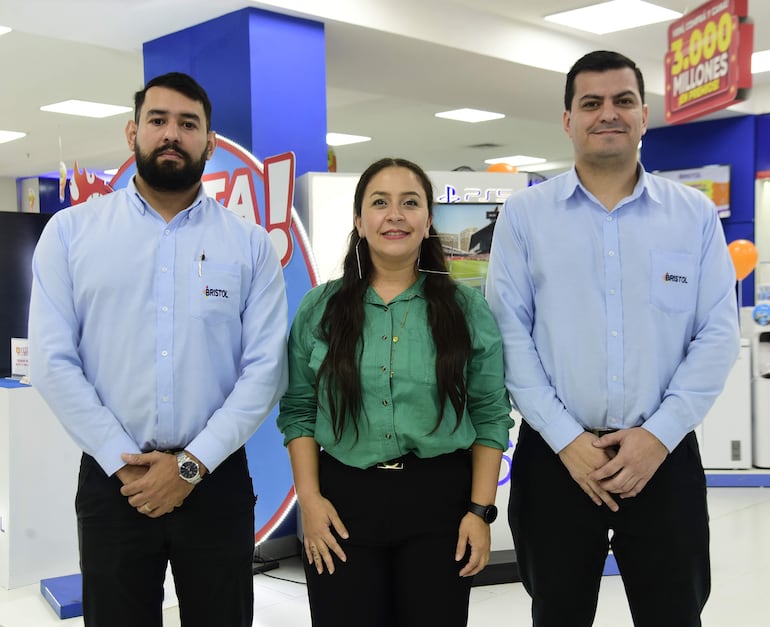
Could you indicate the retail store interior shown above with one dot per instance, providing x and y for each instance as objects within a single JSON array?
[{"x": 390, "y": 67}]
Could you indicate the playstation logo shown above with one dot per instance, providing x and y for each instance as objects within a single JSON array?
[{"x": 450, "y": 195}]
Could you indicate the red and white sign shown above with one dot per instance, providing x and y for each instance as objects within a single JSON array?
[{"x": 708, "y": 63}]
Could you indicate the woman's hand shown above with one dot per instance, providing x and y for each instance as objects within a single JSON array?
[
  {"x": 474, "y": 532},
  {"x": 318, "y": 518}
]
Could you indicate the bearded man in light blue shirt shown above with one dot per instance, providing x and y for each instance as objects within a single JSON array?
[
  {"x": 158, "y": 323},
  {"x": 615, "y": 295}
]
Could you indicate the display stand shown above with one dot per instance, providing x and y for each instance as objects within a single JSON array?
[{"x": 38, "y": 479}]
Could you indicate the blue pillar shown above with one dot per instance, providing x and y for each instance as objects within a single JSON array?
[{"x": 266, "y": 76}]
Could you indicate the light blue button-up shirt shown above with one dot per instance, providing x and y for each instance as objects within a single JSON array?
[
  {"x": 613, "y": 319},
  {"x": 149, "y": 335}
]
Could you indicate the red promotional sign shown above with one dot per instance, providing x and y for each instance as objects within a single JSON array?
[{"x": 708, "y": 63}]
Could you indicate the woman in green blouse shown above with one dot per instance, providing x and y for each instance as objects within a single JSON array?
[{"x": 395, "y": 419}]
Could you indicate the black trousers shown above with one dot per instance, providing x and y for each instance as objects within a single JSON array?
[
  {"x": 403, "y": 525},
  {"x": 209, "y": 542},
  {"x": 660, "y": 539}
]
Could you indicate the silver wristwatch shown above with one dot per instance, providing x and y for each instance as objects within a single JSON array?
[{"x": 188, "y": 468}]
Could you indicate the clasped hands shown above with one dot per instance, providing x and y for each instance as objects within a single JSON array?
[
  {"x": 152, "y": 483},
  {"x": 618, "y": 464}
]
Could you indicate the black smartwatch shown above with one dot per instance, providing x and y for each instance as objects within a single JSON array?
[{"x": 488, "y": 513}]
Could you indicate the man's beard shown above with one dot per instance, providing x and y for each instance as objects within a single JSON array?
[{"x": 169, "y": 175}]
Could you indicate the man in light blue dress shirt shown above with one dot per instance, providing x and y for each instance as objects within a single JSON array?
[
  {"x": 615, "y": 295},
  {"x": 158, "y": 323}
]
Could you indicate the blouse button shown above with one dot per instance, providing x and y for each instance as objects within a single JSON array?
[
  {"x": 385, "y": 403},
  {"x": 388, "y": 436}
]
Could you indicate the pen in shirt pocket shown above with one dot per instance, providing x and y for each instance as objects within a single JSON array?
[{"x": 201, "y": 259}]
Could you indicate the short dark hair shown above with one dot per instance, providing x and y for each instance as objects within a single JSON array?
[
  {"x": 599, "y": 61},
  {"x": 182, "y": 83}
]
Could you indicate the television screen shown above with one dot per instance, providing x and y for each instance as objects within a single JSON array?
[
  {"x": 466, "y": 231},
  {"x": 19, "y": 233},
  {"x": 712, "y": 180}
]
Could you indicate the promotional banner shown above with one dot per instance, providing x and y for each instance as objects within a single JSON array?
[
  {"x": 261, "y": 193},
  {"x": 708, "y": 63},
  {"x": 712, "y": 180}
]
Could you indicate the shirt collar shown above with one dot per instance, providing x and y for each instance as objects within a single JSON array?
[
  {"x": 571, "y": 185},
  {"x": 373, "y": 298},
  {"x": 141, "y": 205}
]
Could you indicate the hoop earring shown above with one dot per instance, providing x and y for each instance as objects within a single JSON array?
[
  {"x": 358, "y": 261},
  {"x": 419, "y": 269}
]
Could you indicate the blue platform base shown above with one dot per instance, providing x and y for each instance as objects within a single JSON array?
[{"x": 64, "y": 594}]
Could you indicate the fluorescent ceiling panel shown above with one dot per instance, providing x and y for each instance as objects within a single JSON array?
[
  {"x": 85, "y": 109},
  {"x": 343, "y": 139},
  {"x": 613, "y": 16},
  {"x": 9, "y": 136},
  {"x": 760, "y": 62},
  {"x": 516, "y": 160},
  {"x": 470, "y": 115}
]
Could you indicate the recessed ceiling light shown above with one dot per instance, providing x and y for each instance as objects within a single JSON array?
[
  {"x": 85, "y": 108},
  {"x": 760, "y": 62},
  {"x": 470, "y": 115},
  {"x": 613, "y": 16},
  {"x": 343, "y": 139},
  {"x": 516, "y": 160},
  {"x": 9, "y": 136},
  {"x": 4, "y": 30}
]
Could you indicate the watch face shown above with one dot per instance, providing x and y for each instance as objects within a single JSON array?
[
  {"x": 188, "y": 470},
  {"x": 491, "y": 514}
]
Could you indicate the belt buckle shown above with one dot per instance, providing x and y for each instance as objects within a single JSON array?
[{"x": 395, "y": 464}]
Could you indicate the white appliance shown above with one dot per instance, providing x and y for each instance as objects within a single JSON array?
[
  {"x": 760, "y": 382},
  {"x": 725, "y": 435}
]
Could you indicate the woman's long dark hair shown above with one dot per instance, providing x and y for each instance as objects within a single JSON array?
[{"x": 339, "y": 377}]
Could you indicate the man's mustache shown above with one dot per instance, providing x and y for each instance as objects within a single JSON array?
[{"x": 173, "y": 149}]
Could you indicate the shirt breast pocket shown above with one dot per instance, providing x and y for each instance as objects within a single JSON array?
[
  {"x": 422, "y": 361},
  {"x": 673, "y": 281},
  {"x": 215, "y": 296}
]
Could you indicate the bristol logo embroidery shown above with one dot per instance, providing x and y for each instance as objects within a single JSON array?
[
  {"x": 217, "y": 292},
  {"x": 674, "y": 278}
]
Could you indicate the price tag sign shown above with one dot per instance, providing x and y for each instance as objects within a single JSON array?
[{"x": 708, "y": 63}]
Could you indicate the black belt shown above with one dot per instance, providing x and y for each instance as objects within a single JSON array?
[
  {"x": 410, "y": 460},
  {"x": 600, "y": 432}
]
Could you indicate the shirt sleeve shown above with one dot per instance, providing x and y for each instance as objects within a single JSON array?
[
  {"x": 56, "y": 368},
  {"x": 298, "y": 408},
  {"x": 701, "y": 375},
  {"x": 488, "y": 404},
  {"x": 510, "y": 293},
  {"x": 264, "y": 373}
]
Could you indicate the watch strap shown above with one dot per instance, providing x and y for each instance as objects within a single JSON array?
[{"x": 487, "y": 513}]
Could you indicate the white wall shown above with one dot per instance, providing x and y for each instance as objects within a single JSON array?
[{"x": 8, "y": 200}]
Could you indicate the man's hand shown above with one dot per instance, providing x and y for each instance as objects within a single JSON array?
[
  {"x": 639, "y": 456},
  {"x": 581, "y": 459},
  {"x": 153, "y": 485}
]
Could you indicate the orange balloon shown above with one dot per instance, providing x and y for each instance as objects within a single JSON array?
[
  {"x": 502, "y": 167},
  {"x": 744, "y": 256}
]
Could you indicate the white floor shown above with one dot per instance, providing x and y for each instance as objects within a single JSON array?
[{"x": 740, "y": 528}]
